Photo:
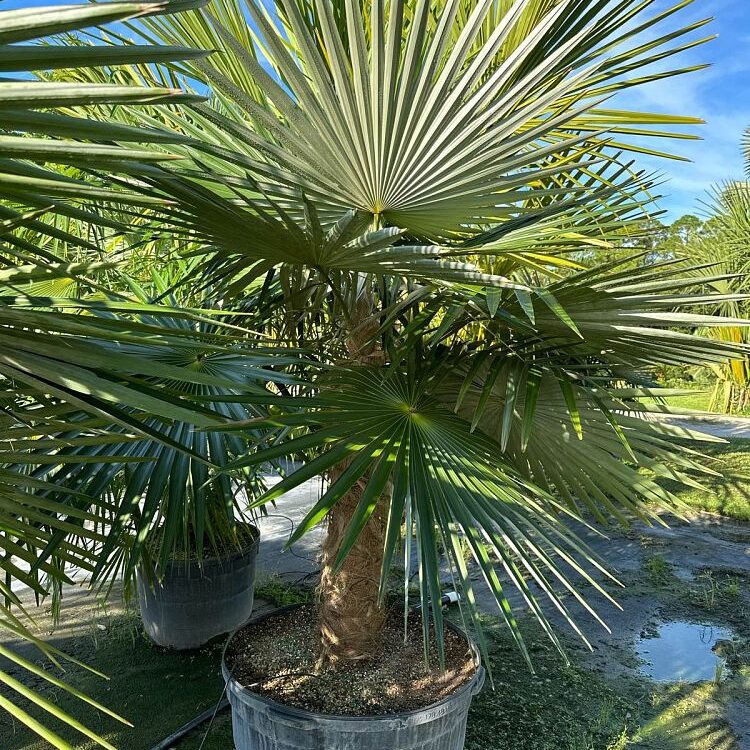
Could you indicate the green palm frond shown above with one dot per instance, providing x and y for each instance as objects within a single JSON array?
[
  {"x": 187, "y": 504},
  {"x": 356, "y": 116},
  {"x": 443, "y": 477},
  {"x": 28, "y": 521},
  {"x": 433, "y": 127},
  {"x": 406, "y": 190}
]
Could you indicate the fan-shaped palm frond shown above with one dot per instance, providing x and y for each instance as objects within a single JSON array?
[
  {"x": 416, "y": 113},
  {"x": 404, "y": 182}
]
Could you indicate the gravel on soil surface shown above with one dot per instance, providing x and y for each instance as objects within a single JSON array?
[{"x": 278, "y": 659}]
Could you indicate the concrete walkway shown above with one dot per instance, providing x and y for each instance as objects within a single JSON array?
[
  {"x": 299, "y": 560},
  {"x": 713, "y": 424}
]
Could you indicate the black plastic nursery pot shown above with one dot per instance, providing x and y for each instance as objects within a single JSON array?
[
  {"x": 259, "y": 723},
  {"x": 193, "y": 601}
]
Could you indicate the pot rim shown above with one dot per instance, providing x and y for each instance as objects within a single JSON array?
[
  {"x": 251, "y": 548},
  {"x": 473, "y": 685}
]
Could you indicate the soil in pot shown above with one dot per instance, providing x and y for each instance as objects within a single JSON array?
[
  {"x": 277, "y": 658},
  {"x": 220, "y": 546}
]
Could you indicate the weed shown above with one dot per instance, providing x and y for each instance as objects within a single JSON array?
[
  {"x": 658, "y": 570},
  {"x": 714, "y": 589},
  {"x": 708, "y": 592},
  {"x": 621, "y": 742},
  {"x": 719, "y": 672},
  {"x": 732, "y": 588},
  {"x": 281, "y": 593}
]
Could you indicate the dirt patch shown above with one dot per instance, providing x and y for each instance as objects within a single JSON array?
[{"x": 277, "y": 658}]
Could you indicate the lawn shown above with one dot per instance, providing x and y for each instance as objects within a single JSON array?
[
  {"x": 697, "y": 400},
  {"x": 694, "y": 399},
  {"x": 729, "y": 494}
]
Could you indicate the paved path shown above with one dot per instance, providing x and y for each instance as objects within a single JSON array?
[
  {"x": 299, "y": 560},
  {"x": 717, "y": 425}
]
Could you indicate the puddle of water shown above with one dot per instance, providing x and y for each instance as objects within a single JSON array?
[{"x": 682, "y": 651}]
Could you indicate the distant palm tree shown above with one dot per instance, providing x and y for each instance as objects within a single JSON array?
[{"x": 723, "y": 251}]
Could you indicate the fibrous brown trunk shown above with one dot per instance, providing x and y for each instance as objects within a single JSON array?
[{"x": 351, "y": 618}]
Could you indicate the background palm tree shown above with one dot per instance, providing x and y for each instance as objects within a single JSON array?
[{"x": 723, "y": 252}]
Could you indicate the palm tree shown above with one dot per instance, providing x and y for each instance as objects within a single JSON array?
[
  {"x": 395, "y": 189},
  {"x": 70, "y": 386},
  {"x": 723, "y": 252}
]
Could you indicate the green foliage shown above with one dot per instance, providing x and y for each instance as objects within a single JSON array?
[
  {"x": 394, "y": 189},
  {"x": 658, "y": 570},
  {"x": 281, "y": 593},
  {"x": 726, "y": 493},
  {"x": 713, "y": 590},
  {"x": 722, "y": 246}
]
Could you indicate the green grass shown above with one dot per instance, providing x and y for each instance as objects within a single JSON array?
[
  {"x": 658, "y": 570},
  {"x": 280, "y": 593},
  {"x": 699, "y": 400},
  {"x": 681, "y": 720},
  {"x": 696, "y": 399},
  {"x": 559, "y": 708},
  {"x": 157, "y": 689},
  {"x": 727, "y": 495}
]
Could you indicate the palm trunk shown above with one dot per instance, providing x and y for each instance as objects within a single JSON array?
[{"x": 351, "y": 618}]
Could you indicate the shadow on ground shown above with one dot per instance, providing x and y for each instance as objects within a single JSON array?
[{"x": 576, "y": 707}]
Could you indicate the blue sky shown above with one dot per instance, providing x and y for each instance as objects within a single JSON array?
[{"x": 719, "y": 94}]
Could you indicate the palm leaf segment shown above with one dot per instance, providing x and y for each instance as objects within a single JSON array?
[
  {"x": 436, "y": 118},
  {"x": 55, "y": 364}
]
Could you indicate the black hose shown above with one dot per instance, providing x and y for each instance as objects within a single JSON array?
[{"x": 169, "y": 742}]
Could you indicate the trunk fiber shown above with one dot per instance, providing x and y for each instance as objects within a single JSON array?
[{"x": 351, "y": 619}]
